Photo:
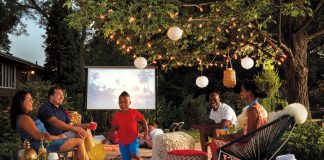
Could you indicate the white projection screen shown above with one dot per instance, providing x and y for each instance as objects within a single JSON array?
[{"x": 105, "y": 84}]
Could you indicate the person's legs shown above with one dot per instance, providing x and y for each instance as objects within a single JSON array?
[
  {"x": 204, "y": 133},
  {"x": 134, "y": 149},
  {"x": 88, "y": 141},
  {"x": 124, "y": 150},
  {"x": 75, "y": 142}
]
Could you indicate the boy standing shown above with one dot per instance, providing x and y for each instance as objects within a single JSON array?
[{"x": 125, "y": 121}]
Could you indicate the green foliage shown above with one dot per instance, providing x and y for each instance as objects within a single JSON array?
[
  {"x": 194, "y": 134},
  {"x": 191, "y": 111},
  {"x": 9, "y": 141},
  {"x": 270, "y": 82},
  {"x": 62, "y": 64},
  {"x": 306, "y": 142},
  {"x": 101, "y": 53},
  {"x": 8, "y": 150},
  {"x": 10, "y": 13},
  {"x": 234, "y": 100},
  {"x": 209, "y": 29},
  {"x": 39, "y": 89}
]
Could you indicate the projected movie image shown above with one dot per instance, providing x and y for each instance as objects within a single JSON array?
[{"x": 106, "y": 84}]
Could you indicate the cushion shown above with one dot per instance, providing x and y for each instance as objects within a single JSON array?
[{"x": 187, "y": 155}]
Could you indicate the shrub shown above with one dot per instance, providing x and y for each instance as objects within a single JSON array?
[
  {"x": 270, "y": 82},
  {"x": 306, "y": 142}
]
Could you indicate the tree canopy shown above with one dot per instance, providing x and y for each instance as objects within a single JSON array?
[{"x": 214, "y": 32}]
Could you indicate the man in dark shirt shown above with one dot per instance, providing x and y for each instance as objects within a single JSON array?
[{"x": 56, "y": 120}]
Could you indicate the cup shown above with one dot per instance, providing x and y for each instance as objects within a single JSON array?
[
  {"x": 93, "y": 126},
  {"x": 223, "y": 132},
  {"x": 52, "y": 156}
]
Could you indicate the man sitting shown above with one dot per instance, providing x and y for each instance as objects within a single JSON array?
[
  {"x": 221, "y": 116},
  {"x": 56, "y": 120}
]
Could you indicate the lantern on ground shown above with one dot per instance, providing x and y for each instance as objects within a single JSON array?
[
  {"x": 174, "y": 33},
  {"x": 202, "y": 81},
  {"x": 140, "y": 62},
  {"x": 247, "y": 62}
]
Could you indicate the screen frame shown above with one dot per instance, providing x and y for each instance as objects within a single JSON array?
[{"x": 119, "y": 67}]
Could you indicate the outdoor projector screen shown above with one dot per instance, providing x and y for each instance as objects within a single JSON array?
[{"x": 105, "y": 84}]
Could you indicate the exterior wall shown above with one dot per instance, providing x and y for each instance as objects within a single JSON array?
[{"x": 12, "y": 72}]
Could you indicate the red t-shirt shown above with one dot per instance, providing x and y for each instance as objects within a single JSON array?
[{"x": 127, "y": 125}]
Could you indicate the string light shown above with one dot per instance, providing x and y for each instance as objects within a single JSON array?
[
  {"x": 149, "y": 45},
  {"x": 200, "y": 25},
  {"x": 131, "y": 20}
]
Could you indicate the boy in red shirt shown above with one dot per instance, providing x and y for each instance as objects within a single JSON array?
[{"x": 125, "y": 121}]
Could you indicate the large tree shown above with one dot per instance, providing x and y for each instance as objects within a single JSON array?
[
  {"x": 62, "y": 62},
  {"x": 10, "y": 13},
  {"x": 40, "y": 10},
  {"x": 215, "y": 32}
]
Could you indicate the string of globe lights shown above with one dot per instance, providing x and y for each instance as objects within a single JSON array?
[{"x": 174, "y": 33}]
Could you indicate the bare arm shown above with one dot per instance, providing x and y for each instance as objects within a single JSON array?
[
  {"x": 144, "y": 124},
  {"x": 111, "y": 132},
  {"x": 62, "y": 125},
  {"x": 28, "y": 125}
]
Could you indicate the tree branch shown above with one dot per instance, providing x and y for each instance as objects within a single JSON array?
[
  {"x": 39, "y": 9},
  {"x": 316, "y": 34},
  {"x": 307, "y": 22},
  {"x": 24, "y": 6}
]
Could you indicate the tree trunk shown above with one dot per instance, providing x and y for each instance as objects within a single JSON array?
[{"x": 297, "y": 71}]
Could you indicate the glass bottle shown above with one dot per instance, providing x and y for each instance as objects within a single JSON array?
[{"x": 42, "y": 153}]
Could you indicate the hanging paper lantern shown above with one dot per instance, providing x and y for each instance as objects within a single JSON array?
[
  {"x": 229, "y": 79},
  {"x": 174, "y": 33},
  {"x": 140, "y": 62},
  {"x": 247, "y": 62},
  {"x": 202, "y": 81}
]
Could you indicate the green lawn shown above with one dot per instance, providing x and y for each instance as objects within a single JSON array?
[{"x": 193, "y": 133}]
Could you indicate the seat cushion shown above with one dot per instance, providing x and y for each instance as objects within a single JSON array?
[{"x": 187, "y": 155}]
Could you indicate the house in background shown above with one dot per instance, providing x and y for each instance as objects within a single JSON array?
[{"x": 13, "y": 70}]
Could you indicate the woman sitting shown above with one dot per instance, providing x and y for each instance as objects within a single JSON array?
[
  {"x": 33, "y": 129},
  {"x": 255, "y": 116}
]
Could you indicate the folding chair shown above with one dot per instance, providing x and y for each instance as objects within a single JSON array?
[{"x": 260, "y": 144}]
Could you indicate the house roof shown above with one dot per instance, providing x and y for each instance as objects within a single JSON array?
[{"x": 19, "y": 60}]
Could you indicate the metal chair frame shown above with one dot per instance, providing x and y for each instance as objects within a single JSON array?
[{"x": 262, "y": 142}]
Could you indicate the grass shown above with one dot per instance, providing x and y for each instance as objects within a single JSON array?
[{"x": 193, "y": 133}]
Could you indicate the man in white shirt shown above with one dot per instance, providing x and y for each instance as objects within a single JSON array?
[{"x": 221, "y": 116}]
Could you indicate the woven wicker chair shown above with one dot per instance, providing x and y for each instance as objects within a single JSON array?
[{"x": 261, "y": 144}]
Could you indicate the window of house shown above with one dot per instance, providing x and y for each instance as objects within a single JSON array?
[{"x": 7, "y": 75}]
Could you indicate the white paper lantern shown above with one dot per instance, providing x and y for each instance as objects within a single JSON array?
[
  {"x": 202, "y": 81},
  {"x": 140, "y": 62},
  {"x": 247, "y": 62},
  {"x": 174, "y": 33}
]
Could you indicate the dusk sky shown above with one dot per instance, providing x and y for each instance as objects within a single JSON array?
[{"x": 29, "y": 47}]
